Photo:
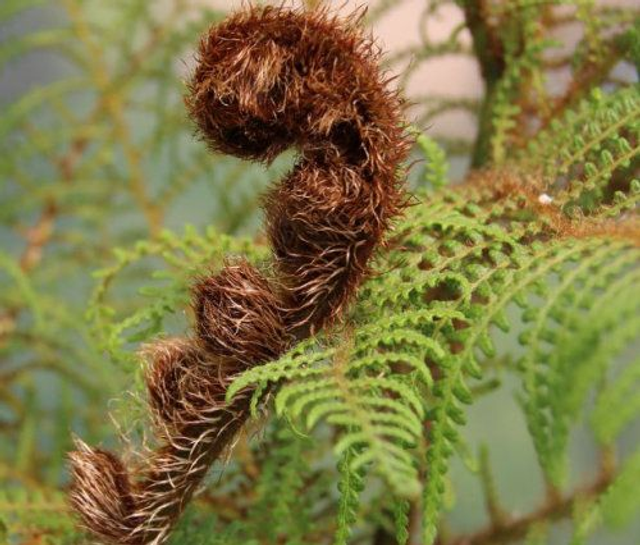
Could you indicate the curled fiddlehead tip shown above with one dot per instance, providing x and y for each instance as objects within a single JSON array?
[{"x": 271, "y": 77}]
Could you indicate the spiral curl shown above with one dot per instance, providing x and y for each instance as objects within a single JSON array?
[{"x": 267, "y": 79}]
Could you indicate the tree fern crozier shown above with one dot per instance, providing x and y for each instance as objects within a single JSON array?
[{"x": 336, "y": 371}]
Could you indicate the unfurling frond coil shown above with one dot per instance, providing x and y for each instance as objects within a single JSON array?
[{"x": 267, "y": 79}]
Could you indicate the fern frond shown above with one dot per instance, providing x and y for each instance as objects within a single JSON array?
[
  {"x": 505, "y": 108},
  {"x": 357, "y": 388},
  {"x": 562, "y": 332},
  {"x": 285, "y": 515},
  {"x": 437, "y": 166},
  {"x": 596, "y": 139}
]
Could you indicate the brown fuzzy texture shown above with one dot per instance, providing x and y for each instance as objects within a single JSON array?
[
  {"x": 323, "y": 227},
  {"x": 238, "y": 315},
  {"x": 186, "y": 390},
  {"x": 268, "y": 78},
  {"x": 183, "y": 383},
  {"x": 101, "y": 491},
  {"x": 272, "y": 78}
]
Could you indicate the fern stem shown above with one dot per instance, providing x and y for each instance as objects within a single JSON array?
[
  {"x": 556, "y": 507},
  {"x": 496, "y": 511},
  {"x": 488, "y": 50}
]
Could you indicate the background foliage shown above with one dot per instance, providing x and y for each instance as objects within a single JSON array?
[{"x": 522, "y": 280}]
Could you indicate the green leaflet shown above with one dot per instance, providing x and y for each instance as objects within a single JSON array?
[
  {"x": 616, "y": 405},
  {"x": 350, "y": 486},
  {"x": 437, "y": 166}
]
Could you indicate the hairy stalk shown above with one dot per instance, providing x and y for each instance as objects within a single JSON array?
[{"x": 267, "y": 79}]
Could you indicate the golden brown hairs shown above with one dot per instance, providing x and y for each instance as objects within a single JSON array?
[{"x": 267, "y": 79}]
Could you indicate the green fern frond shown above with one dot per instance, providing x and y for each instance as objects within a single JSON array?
[
  {"x": 357, "y": 388},
  {"x": 437, "y": 166},
  {"x": 588, "y": 145},
  {"x": 471, "y": 272},
  {"x": 562, "y": 332},
  {"x": 285, "y": 515},
  {"x": 505, "y": 108}
]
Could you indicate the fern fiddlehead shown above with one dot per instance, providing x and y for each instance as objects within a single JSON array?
[{"x": 267, "y": 79}]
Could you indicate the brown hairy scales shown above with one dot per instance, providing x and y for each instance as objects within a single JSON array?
[{"x": 267, "y": 79}]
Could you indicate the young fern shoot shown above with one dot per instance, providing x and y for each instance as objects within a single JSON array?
[{"x": 268, "y": 79}]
